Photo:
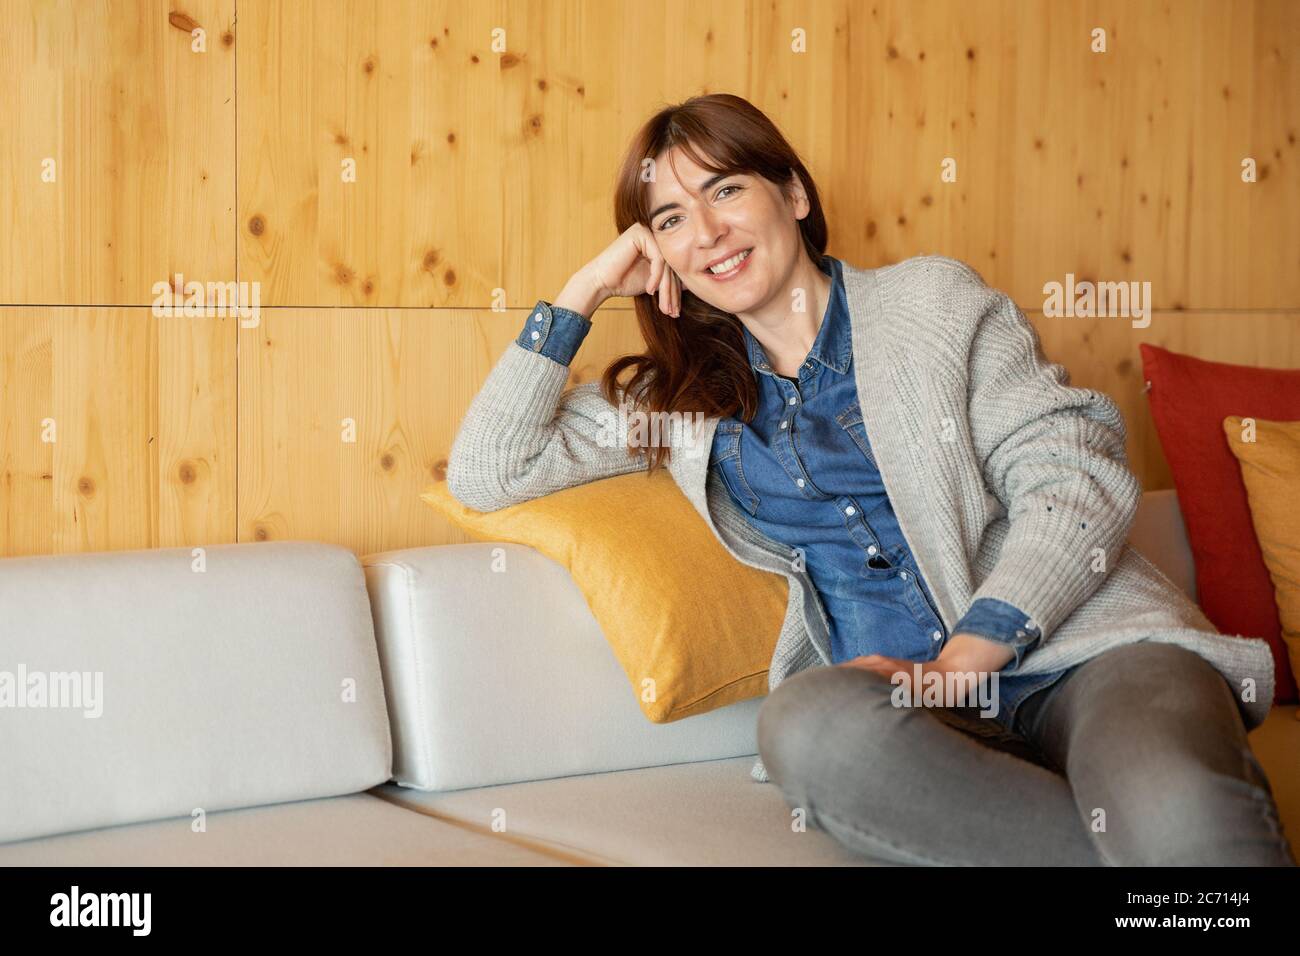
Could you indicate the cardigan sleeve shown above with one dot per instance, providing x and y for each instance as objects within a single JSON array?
[
  {"x": 1053, "y": 454},
  {"x": 525, "y": 435}
]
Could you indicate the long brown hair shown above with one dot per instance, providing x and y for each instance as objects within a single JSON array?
[{"x": 696, "y": 362}]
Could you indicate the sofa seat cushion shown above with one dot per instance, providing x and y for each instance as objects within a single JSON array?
[
  {"x": 710, "y": 813},
  {"x": 713, "y": 814},
  {"x": 353, "y": 830}
]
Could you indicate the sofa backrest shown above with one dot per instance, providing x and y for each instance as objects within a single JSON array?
[
  {"x": 1159, "y": 534},
  {"x": 182, "y": 680}
]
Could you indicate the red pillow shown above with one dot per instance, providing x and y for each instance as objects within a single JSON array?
[{"x": 1189, "y": 398}]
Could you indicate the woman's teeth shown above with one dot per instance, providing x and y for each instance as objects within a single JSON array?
[{"x": 730, "y": 264}]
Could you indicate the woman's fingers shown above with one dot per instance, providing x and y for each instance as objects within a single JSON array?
[{"x": 656, "y": 273}]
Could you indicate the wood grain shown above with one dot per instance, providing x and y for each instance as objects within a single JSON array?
[
  {"x": 117, "y": 432},
  {"x": 141, "y": 133}
]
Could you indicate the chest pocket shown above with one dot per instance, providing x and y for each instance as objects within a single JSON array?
[
  {"x": 727, "y": 460},
  {"x": 851, "y": 421}
]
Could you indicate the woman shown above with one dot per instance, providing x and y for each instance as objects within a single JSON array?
[{"x": 942, "y": 502}]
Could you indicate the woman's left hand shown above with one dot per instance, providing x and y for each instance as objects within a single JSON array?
[{"x": 963, "y": 653}]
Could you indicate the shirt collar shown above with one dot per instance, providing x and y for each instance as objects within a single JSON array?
[{"x": 833, "y": 346}]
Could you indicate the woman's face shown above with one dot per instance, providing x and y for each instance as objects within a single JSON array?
[{"x": 703, "y": 218}]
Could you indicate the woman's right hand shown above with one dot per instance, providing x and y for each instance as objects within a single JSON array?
[{"x": 633, "y": 265}]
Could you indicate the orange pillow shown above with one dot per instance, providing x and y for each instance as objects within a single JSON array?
[
  {"x": 1269, "y": 455},
  {"x": 693, "y": 628}
]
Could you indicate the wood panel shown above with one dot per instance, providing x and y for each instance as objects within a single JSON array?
[
  {"x": 468, "y": 159},
  {"x": 347, "y": 414},
  {"x": 118, "y": 430},
  {"x": 140, "y": 130},
  {"x": 481, "y": 170},
  {"x": 1117, "y": 165}
]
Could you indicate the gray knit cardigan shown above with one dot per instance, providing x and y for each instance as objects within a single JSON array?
[{"x": 1007, "y": 481}]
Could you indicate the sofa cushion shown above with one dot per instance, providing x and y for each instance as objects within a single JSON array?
[
  {"x": 213, "y": 678},
  {"x": 1159, "y": 535},
  {"x": 357, "y": 829},
  {"x": 710, "y": 813},
  {"x": 693, "y": 627},
  {"x": 1189, "y": 398},
  {"x": 496, "y": 677},
  {"x": 1269, "y": 453}
]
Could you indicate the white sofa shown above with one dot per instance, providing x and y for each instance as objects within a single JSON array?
[{"x": 285, "y": 703}]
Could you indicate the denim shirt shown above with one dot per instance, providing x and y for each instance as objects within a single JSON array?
[{"x": 803, "y": 473}]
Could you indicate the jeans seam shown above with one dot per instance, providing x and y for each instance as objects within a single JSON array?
[
  {"x": 1268, "y": 810},
  {"x": 920, "y": 858}
]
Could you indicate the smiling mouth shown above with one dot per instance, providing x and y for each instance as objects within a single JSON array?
[{"x": 729, "y": 265}]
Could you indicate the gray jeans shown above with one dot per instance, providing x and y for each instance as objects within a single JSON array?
[{"x": 1136, "y": 757}]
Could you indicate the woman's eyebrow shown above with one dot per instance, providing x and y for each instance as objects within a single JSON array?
[{"x": 703, "y": 186}]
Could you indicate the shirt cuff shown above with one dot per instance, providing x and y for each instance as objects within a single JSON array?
[
  {"x": 554, "y": 331},
  {"x": 1002, "y": 622}
]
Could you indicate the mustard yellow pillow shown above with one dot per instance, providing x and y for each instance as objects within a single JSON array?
[
  {"x": 1269, "y": 455},
  {"x": 693, "y": 628}
]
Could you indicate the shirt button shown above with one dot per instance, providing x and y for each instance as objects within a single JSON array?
[
  {"x": 903, "y": 575},
  {"x": 799, "y": 482},
  {"x": 794, "y": 401},
  {"x": 783, "y": 424},
  {"x": 937, "y": 635},
  {"x": 871, "y": 549},
  {"x": 1020, "y": 633},
  {"x": 1030, "y": 625},
  {"x": 536, "y": 335},
  {"x": 850, "y": 510},
  {"x": 537, "y": 317}
]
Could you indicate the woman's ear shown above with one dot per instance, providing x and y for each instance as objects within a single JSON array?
[{"x": 798, "y": 196}]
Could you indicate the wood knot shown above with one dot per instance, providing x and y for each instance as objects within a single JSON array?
[
  {"x": 257, "y": 225},
  {"x": 186, "y": 473},
  {"x": 182, "y": 21},
  {"x": 85, "y": 486}
]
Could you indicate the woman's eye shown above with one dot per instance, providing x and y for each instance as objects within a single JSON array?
[{"x": 664, "y": 225}]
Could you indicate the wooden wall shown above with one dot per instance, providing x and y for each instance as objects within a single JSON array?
[{"x": 480, "y": 170}]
